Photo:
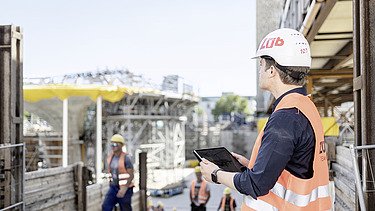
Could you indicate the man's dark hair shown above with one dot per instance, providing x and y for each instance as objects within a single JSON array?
[{"x": 288, "y": 74}]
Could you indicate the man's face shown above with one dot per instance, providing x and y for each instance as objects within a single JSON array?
[
  {"x": 116, "y": 146},
  {"x": 263, "y": 79},
  {"x": 199, "y": 175},
  {"x": 262, "y": 70}
]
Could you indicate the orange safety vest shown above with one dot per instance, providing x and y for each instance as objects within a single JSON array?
[
  {"x": 202, "y": 193},
  {"x": 290, "y": 192},
  {"x": 123, "y": 174},
  {"x": 231, "y": 202}
]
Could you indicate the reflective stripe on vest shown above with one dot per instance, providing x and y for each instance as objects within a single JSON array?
[
  {"x": 123, "y": 176},
  {"x": 290, "y": 192},
  {"x": 122, "y": 172},
  {"x": 202, "y": 194},
  {"x": 294, "y": 198},
  {"x": 223, "y": 200},
  {"x": 257, "y": 204}
]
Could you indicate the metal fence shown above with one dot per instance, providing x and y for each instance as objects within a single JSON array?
[
  {"x": 366, "y": 184},
  {"x": 12, "y": 171}
]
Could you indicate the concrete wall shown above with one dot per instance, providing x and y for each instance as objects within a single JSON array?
[{"x": 268, "y": 19}]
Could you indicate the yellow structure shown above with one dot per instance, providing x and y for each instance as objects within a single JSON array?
[{"x": 34, "y": 93}]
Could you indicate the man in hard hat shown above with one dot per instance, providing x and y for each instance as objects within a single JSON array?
[
  {"x": 227, "y": 202},
  {"x": 121, "y": 169},
  {"x": 199, "y": 192},
  {"x": 288, "y": 166}
]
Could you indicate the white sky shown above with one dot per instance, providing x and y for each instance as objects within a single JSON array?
[{"x": 208, "y": 43}]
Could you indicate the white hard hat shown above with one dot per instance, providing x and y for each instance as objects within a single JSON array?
[{"x": 287, "y": 47}]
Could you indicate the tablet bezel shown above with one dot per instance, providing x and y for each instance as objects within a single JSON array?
[{"x": 199, "y": 157}]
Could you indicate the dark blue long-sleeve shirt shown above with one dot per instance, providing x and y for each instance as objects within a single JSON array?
[{"x": 288, "y": 143}]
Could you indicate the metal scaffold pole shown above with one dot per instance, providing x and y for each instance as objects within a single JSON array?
[
  {"x": 65, "y": 132},
  {"x": 364, "y": 90},
  {"x": 98, "y": 139}
]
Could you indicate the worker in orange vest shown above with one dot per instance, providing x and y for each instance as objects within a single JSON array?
[
  {"x": 199, "y": 192},
  {"x": 288, "y": 167},
  {"x": 121, "y": 170},
  {"x": 227, "y": 202}
]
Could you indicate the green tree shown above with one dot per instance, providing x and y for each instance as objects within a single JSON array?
[{"x": 230, "y": 103}]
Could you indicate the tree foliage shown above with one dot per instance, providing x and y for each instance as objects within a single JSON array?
[{"x": 231, "y": 103}]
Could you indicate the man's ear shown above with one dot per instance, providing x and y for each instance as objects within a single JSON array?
[{"x": 272, "y": 71}]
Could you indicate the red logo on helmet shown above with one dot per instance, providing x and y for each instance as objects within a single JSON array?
[{"x": 271, "y": 42}]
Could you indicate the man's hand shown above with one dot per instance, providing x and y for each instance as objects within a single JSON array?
[
  {"x": 244, "y": 161},
  {"x": 121, "y": 192},
  {"x": 207, "y": 168}
]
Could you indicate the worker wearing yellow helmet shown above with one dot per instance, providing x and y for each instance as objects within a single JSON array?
[
  {"x": 199, "y": 191},
  {"x": 227, "y": 202},
  {"x": 288, "y": 165},
  {"x": 150, "y": 205},
  {"x": 121, "y": 170},
  {"x": 159, "y": 207}
]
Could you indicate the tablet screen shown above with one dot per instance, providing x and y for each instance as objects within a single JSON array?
[{"x": 222, "y": 158}]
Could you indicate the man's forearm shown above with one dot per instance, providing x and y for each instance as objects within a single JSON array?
[
  {"x": 226, "y": 178},
  {"x": 130, "y": 179}
]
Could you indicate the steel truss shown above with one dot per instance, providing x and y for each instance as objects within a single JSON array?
[{"x": 151, "y": 123}]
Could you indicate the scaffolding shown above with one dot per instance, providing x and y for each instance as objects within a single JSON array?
[
  {"x": 151, "y": 119},
  {"x": 151, "y": 123}
]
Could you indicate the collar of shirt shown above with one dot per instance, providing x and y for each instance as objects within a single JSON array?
[{"x": 299, "y": 90}]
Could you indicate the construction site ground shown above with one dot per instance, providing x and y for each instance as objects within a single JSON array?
[{"x": 182, "y": 202}]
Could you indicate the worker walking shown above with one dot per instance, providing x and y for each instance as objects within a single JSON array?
[
  {"x": 199, "y": 192},
  {"x": 121, "y": 170},
  {"x": 227, "y": 202},
  {"x": 288, "y": 167}
]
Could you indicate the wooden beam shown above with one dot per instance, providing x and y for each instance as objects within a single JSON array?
[
  {"x": 336, "y": 33},
  {"x": 330, "y": 85},
  {"x": 344, "y": 61},
  {"x": 334, "y": 39},
  {"x": 346, "y": 51},
  {"x": 348, "y": 71},
  {"x": 329, "y": 57},
  {"x": 339, "y": 74},
  {"x": 323, "y": 14}
]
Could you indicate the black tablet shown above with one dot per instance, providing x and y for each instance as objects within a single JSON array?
[{"x": 221, "y": 157}]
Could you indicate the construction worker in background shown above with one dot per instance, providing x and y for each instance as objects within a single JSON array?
[
  {"x": 199, "y": 192},
  {"x": 150, "y": 205},
  {"x": 227, "y": 203},
  {"x": 288, "y": 166},
  {"x": 160, "y": 206},
  {"x": 122, "y": 174}
]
